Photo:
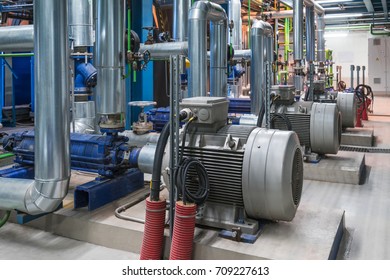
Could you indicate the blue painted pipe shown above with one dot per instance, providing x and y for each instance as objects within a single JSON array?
[{"x": 108, "y": 155}]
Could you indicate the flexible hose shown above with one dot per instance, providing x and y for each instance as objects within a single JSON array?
[
  {"x": 5, "y": 218},
  {"x": 183, "y": 231},
  {"x": 153, "y": 239}
]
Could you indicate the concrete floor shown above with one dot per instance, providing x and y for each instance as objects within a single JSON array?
[{"x": 367, "y": 214}]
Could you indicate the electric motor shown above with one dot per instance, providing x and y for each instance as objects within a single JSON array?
[
  {"x": 253, "y": 173},
  {"x": 346, "y": 101},
  {"x": 318, "y": 125}
]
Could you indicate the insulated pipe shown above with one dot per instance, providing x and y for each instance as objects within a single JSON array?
[
  {"x": 317, "y": 7},
  {"x": 298, "y": 29},
  {"x": 164, "y": 50},
  {"x": 180, "y": 20},
  {"x": 109, "y": 57},
  {"x": 259, "y": 33},
  {"x": 310, "y": 34},
  {"x": 200, "y": 13},
  {"x": 17, "y": 38},
  {"x": 234, "y": 9},
  {"x": 52, "y": 140},
  {"x": 218, "y": 59},
  {"x": 80, "y": 20},
  {"x": 320, "y": 38}
]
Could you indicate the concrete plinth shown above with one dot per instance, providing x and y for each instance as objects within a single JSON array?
[
  {"x": 345, "y": 168},
  {"x": 358, "y": 137}
]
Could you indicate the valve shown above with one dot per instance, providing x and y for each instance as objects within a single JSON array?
[
  {"x": 149, "y": 37},
  {"x": 142, "y": 126}
]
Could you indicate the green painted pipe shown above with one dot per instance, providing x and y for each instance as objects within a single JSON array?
[
  {"x": 6, "y": 155},
  {"x": 16, "y": 54},
  {"x": 5, "y": 218}
]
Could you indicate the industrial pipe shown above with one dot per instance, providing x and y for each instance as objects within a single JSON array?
[
  {"x": 180, "y": 19},
  {"x": 200, "y": 13},
  {"x": 234, "y": 9},
  {"x": 320, "y": 38},
  {"x": 310, "y": 34},
  {"x": 260, "y": 33},
  {"x": 317, "y": 7},
  {"x": 298, "y": 29},
  {"x": 52, "y": 157},
  {"x": 80, "y": 20},
  {"x": 164, "y": 50},
  {"x": 17, "y": 38},
  {"x": 110, "y": 97}
]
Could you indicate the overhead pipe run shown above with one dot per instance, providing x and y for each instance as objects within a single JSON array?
[
  {"x": 52, "y": 140},
  {"x": 200, "y": 13},
  {"x": 17, "y": 38}
]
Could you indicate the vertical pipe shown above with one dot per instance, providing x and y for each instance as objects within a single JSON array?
[
  {"x": 352, "y": 69},
  {"x": 257, "y": 68},
  {"x": 298, "y": 29},
  {"x": 310, "y": 34},
  {"x": 363, "y": 72},
  {"x": 80, "y": 18},
  {"x": 180, "y": 20},
  {"x": 235, "y": 16},
  {"x": 2, "y": 88},
  {"x": 109, "y": 57},
  {"x": 320, "y": 38},
  {"x": 51, "y": 82},
  {"x": 357, "y": 75},
  {"x": 197, "y": 54},
  {"x": 218, "y": 59},
  {"x": 200, "y": 13}
]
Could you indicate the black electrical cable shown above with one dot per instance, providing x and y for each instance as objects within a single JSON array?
[
  {"x": 261, "y": 115},
  {"x": 283, "y": 117},
  {"x": 158, "y": 158},
  {"x": 187, "y": 165}
]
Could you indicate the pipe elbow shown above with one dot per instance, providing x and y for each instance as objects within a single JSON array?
[
  {"x": 45, "y": 196},
  {"x": 204, "y": 10}
]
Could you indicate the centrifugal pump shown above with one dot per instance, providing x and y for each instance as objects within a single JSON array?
[
  {"x": 318, "y": 125},
  {"x": 253, "y": 173}
]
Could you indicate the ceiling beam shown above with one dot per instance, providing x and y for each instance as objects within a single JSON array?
[
  {"x": 369, "y": 6},
  {"x": 384, "y": 5}
]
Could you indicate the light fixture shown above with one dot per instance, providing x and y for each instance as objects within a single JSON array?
[
  {"x": 343, "y": 15},
  {"x": 336, "y": 34},
  {"x": 332, "y": 1}
]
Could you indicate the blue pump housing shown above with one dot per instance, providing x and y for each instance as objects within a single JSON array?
[
  {"x": 108, "y": 155},
  {"x": 86, "y": 76}
]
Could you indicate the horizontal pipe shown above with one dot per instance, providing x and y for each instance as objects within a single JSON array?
[
  {"x": 317, "y": 7},
  {"x": 164, "y": 50},
  {"x": 17, "y": 38},
  {"x": 16, "y": 54}
]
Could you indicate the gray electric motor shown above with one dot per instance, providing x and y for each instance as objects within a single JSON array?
[
  {"x": 254, "y": 173},
  {"x": 318, "y": 125}
]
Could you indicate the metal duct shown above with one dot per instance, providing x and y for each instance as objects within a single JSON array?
[
  {"x": 298, "y": 29},
  {"x": 320, "y": 38},
  {"x": 310, "y": 34},
  {"x": 200, "y": 13},
  {"x": 235, "y": 16},
  {"x": 80, "y": 20},
  {"x": 52, "y": 140},
  {"x": 180, "y": 19},
  {"x": 164, "y": 50},
  {"x": 262, "y": 44},
  {"x": 109, "y": 57},
  {"x": 17, "y": 38}
]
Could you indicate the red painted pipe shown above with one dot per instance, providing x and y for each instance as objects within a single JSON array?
[
  {"x": 153, "y": 239},
  {"x": 183, "y": 231}
]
